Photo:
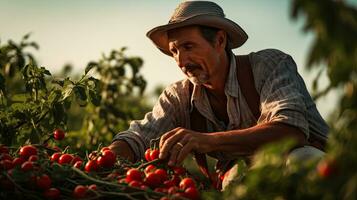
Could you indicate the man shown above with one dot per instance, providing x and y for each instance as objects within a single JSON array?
[{"x": 221, "y": 109}]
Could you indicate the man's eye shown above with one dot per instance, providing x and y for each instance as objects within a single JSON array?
[{"x": 188, "y": 46}]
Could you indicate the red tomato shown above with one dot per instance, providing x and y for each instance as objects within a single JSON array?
[
  {"x": 147, "y": 154},
  {"x": 172, "y": 190},
  {"x": 65, "y": 159},
  {"x": 169, "y": 183},
  {"x": 55, "y": 157},
  {"x": 107, "y": 159},
  {"x": 162, "y": 174},
  {"x": 43, "y": 182},
  {"x": 75, "y": 159},
  {"x": 78, "y": 164},
  {"x": 326, "y": 168},
  {"x": 58, "y": 134},
  {"x": 93, "y": 187},
  {"x": 5, "y": 156},
  {"x": 6, "y": 164},
  {"x": 186, "y": 183},
  {"x": 162, "y": 190},
  {"x": 104, "y": 149},
  {"x": 191, "y": 193},
  {"x": 135, "y": 183},
  {"x": 80, "y": 191},
  {"x": 179, "y": 170},
  {"x": 27, "y": 151},
  {"x": 4, "y": 149},
  {"x": 133, "y": 174},
  {"x": 144, "y": 187},
  {"x": 18, "y": 161},
  {"x": 52, "y": 193},
  {"x": 154, "y": 154},
  {"x": 91, "y": 166},
  {"x": 152, "y": 180},
  {"x": 33, "y": 158},
  {"x": 149, "y": 168},
  {"x": 176, "y": 179},
  {"x": 27, "y": 166}
]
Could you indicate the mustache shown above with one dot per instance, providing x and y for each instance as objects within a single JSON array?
[{"x": 190, "y": 67}]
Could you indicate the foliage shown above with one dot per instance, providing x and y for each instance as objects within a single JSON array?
[
  {"x": 334, "y": 24},
  {"x": 98, "y": 104}
]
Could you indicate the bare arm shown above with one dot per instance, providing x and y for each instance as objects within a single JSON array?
[
  {"x": 243, "y": 141},
  {"x": 247, "y": 141},
  {"x": 122, "y": 149}
]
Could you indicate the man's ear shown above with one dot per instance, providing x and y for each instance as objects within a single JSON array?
[{"x": 221, "y": 39}]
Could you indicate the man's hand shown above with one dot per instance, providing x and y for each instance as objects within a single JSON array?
[
  {"x": 122, "y": 149},
  {"x": 179, "y": 142}
]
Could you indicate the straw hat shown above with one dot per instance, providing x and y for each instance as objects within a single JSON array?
[{"x": 204, "y": 13}]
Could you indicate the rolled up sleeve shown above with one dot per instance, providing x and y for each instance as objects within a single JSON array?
[
  {"x": 282, "y": 98},
  {"x": 161, "y": 119}
]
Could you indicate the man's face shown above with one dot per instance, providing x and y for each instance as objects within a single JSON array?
[{"x": 195, "y": 56}]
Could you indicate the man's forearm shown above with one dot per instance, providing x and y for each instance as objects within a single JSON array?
[
  {"x": 247, "y": 141},
  {"x": 122, "y": 149}
]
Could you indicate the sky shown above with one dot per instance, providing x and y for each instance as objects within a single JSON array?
[{"x": 77, "y": 32}]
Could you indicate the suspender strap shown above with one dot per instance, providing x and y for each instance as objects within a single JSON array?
[{"x": 247, "y": 85}]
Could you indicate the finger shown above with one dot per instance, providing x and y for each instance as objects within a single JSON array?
[
  {"x": 174, "y": 153},
  {"x": 166, "y": 135},
  {"x": 169, "y": 142},
  {"x": 183, "y": 153}
]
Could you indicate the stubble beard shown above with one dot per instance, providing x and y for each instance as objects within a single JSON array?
[{"x": 199, "y": 77}]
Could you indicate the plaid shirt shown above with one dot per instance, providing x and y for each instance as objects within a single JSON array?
[{"x": 283, "y": 97}]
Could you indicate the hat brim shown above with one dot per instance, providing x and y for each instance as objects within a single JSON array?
[{"x": 237, "y": 36}]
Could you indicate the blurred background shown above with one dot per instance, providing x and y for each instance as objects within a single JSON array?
[{"x": 75, "y": 32}]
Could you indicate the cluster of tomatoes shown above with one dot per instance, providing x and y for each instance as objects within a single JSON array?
[
  {"x": 173, "y": 181},
  {"x": 35, "y": 164},
  {"x": 26, "y": 164}
]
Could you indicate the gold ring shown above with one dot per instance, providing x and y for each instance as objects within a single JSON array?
[{"x": 180, "y": 144}]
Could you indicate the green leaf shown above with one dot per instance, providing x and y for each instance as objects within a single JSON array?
[
  {"x": 67, "y": 92},
  {"x": 94, "y": 97},
  {"x": 20, "y": 97},
  {"x": 90, "y": 66},
  {"x": 55, "y": 95},
  {"x": 81, "y": 95},
  {"x": 80, "y": 92}
]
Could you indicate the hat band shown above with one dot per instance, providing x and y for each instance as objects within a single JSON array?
[{"x": 183, "y": 18}]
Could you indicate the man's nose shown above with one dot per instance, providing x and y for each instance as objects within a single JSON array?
[{"x": 182, "y": 59}]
